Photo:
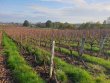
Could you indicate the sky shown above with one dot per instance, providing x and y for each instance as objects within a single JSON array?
[{"x": 72, "y": 11}]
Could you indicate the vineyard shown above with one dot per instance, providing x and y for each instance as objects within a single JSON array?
[{"x": 54, "y": 56}]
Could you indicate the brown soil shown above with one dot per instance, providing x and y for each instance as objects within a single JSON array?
[
  {"x": 75, "y": 61},
  {"x": 91, "y": 53},
  {"x": 69, "y": 59},
  {"x": 5, "y": 74},
  {"x": 42, "y": 70}
]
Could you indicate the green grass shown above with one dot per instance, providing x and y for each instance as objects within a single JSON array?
[
  {"x": 61, "y": 76},
  {"x": 95, "y": 48},
  {"x": 87, "y": 57},
  {"x": 67, "y": 71},
  {"x": 22, "y": 72},
  {"x": 75, "y": 74}
]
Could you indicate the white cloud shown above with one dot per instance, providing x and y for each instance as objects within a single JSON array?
[
  {"x": 45, "y": 10},
  {"x": 83, "y": 3},
  {"x": 77, "y": 11},
  {"x": 75, "y": 2},
  {"x": 101, "y": 6},
  {"x": 90, "y": 11}
]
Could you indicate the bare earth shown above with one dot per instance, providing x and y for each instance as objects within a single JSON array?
[{"x": 5, "y": 74}]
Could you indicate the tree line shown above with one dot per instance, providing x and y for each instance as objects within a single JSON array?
[
  {"x": 49, "y": 24},
  {"x": 59, "y": 25}
]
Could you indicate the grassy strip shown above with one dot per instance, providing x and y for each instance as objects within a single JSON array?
[
  {"x": 86, "y": 57},
  {"x": 22, "y": 72},
  {"x": 75, "y": 74},
  {"x": 87, "y": 47},
  {"x": 61, "y": 76}
]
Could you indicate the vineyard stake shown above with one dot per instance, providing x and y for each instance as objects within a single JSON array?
[
  {"x": 81, "y": 51},
  {"x": 52, "y": 58},
  {"x": 102, "y": 42},
  {"x": 82, "y": 46}
]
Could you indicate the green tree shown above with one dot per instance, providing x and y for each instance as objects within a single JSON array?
[
  {"x": 49, "y": 23},
  {"x": 61, "y": 26},
  {"x": 26, "y": 23},
  {"x": 104, "y": 22}
]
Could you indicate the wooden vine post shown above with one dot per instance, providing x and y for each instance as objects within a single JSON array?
[
  {"x": 82, "y": 46},
  {"x": 21, "y": 40},
  {"x": 52, "y": 60},
  {"x": 102, "y": 42},
  {"x": 81, "y": 51}
]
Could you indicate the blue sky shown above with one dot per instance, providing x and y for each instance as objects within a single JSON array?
[{"x": 73, "y": 11}]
